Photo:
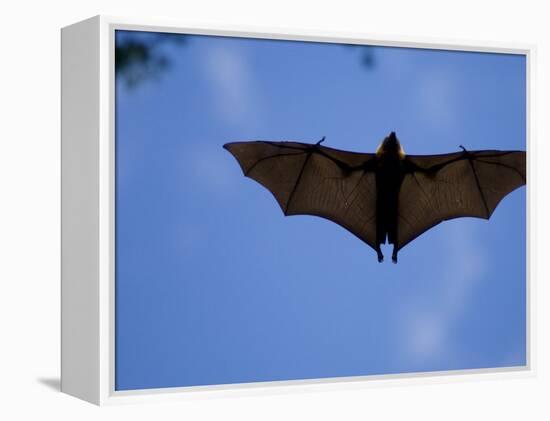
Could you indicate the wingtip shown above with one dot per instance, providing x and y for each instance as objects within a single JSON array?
[{"x": 229, "y": 146}]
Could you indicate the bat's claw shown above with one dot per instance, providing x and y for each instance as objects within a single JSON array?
[
  {"x": 380, "y": 256},
  {"x": 321, "y": 141}
]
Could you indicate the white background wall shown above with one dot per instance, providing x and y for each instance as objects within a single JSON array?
[{"x": 30, "y": 223}]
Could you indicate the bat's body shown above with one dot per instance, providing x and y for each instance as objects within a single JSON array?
[
  {"x": 389, "y": 174},
  {"x": 386, "y": 196}
]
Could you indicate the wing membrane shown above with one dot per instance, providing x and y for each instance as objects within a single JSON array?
[
  {"x": 442, "y": 187},
  {"x": 314, "y": 180}
]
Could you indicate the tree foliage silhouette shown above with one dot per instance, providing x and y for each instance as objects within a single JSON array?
[{"x": 143, "y": 55}]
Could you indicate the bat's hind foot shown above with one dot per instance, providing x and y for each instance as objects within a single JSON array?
[
  {"x": 380, "y": 256},
  {"x": 394, "y": 256}
]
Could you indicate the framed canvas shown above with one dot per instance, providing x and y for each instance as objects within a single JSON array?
[{"x": 183, "y": 148}]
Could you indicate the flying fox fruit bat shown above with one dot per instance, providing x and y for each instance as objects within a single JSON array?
[{"x": 381, "y": 196}]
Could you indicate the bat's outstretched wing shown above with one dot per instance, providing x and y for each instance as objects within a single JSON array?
[
  {"x": 315, "y": 180},
  {"x": 436, "y": 188}
]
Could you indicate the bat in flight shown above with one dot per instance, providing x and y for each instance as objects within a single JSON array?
[{"x": 386, "y": 195}]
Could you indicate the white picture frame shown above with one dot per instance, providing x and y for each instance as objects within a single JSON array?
[{"x": 88, "y": 213}]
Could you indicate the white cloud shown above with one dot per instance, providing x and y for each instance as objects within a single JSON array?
[
  {"x": 234, "y": 94},
  {"x": 427, "y": 335},
  {"x": 436, "y": 96},
  {"x": 428, "y": 330},
  {"x": 467, "y": 263}
]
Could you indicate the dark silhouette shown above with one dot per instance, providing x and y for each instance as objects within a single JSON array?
[
  {"x": 366, "y": 54},
  {"x": 382, "y": 196},
  {"x": 143, "y": 55}
]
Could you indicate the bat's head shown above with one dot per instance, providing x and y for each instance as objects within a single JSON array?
[{"x": 390, "y": 147}]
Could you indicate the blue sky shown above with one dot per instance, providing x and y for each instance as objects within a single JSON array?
[{"x": 214, "y": 285}]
